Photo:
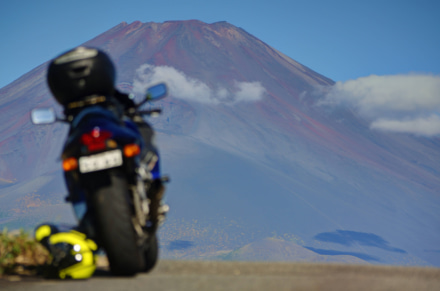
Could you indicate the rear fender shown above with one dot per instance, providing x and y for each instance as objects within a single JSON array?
[{"x": 122, "y": 132}]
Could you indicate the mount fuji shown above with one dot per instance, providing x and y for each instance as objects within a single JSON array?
[{"x": 261, "y": 168}]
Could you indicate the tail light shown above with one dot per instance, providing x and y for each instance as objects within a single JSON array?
[
  {"x": 70, "y": 164},
  {"x": 96, "y": 139},
  {"x": 131, "y": 150}
]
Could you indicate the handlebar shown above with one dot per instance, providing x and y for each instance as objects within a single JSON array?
[{"x": 151, "y": 112}]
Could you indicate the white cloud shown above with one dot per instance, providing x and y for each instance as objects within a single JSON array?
[
  {"x": 191, "y": 89},
  {"x": 427, "y": 126},
  {"x": 402, "y": 103},
  {"x": 252, "y": 91}
]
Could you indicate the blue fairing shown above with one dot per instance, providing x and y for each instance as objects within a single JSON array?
[
  {"x": 156, "y": 170},
  {"x": 97, "y": 116}
]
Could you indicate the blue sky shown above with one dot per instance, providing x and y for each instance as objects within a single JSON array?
[{"x": 342, "y": 40}]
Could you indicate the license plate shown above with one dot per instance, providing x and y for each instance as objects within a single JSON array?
[{"x": 102, "y": 161}]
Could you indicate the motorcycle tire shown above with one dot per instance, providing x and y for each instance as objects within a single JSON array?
[
  {"x": 114, "y": 226},
  {"x": 151, "y": 253}
]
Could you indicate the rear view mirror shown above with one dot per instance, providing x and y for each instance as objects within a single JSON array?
[
  {"x": 43, "y": 116},
  {"x": 157, "y": 92}
]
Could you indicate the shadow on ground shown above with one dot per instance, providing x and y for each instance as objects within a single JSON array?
[
  {"x": 352, "y": 238},
  {"x": 180, "y": 245},
  {"x": 349, "y": 238}
]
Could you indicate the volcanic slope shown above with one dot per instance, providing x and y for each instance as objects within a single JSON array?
[{"x": 254, "y": 159}]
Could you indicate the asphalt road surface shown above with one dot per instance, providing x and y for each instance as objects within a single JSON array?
[{"x": 202, "y": 275}]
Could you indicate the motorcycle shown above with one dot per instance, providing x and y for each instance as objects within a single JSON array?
[{"x": 113, "y": 180}]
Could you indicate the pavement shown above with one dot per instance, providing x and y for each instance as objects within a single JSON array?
[{"x": 215, "y": 275}]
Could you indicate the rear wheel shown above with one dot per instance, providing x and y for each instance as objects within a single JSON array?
[
  {"x": 151, "y": 253},
  {"x": 114, "y": 226}
]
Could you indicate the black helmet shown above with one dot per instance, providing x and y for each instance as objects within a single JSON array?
[{"x": 79, "y": 73}]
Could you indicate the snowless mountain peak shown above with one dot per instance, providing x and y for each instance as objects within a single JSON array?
[{"x": 255, "y": 160}]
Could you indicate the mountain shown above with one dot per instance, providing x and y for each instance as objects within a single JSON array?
[{"x": 256, "y": 161}]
